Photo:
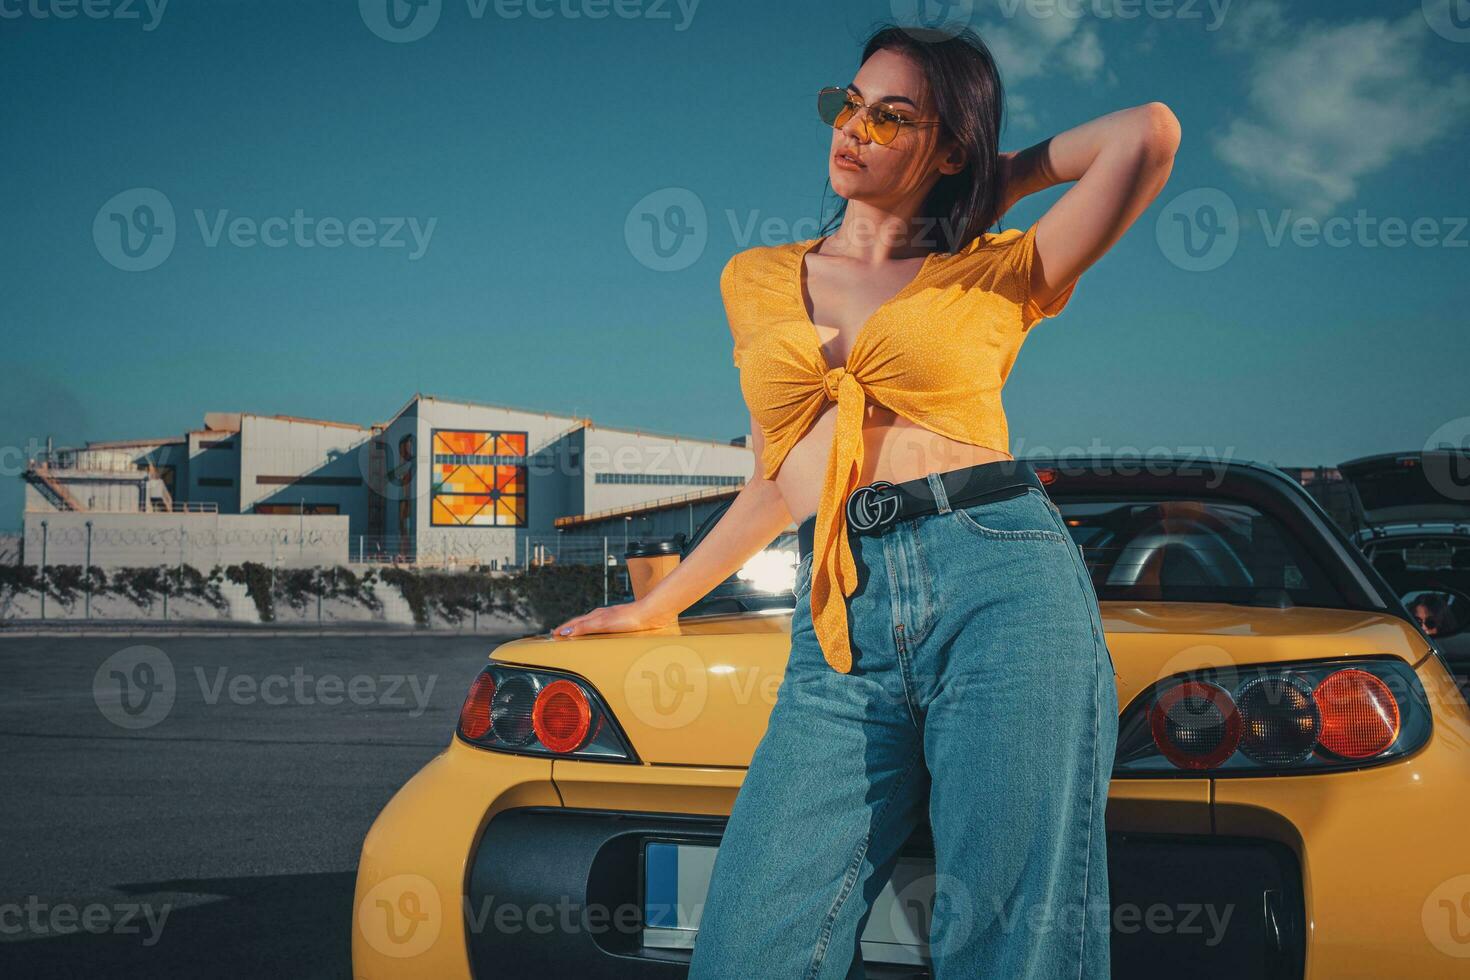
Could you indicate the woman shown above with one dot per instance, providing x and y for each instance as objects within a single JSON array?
[{"x": 946, "y": 645}]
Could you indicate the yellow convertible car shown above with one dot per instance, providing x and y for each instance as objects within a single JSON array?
[{"x": 1288, "y": 800}]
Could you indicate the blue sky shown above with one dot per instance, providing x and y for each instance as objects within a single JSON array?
[{"x": 358, "y": 215}]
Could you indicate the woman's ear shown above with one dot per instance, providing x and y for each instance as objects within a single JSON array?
[{"x": 953, "y": 160}]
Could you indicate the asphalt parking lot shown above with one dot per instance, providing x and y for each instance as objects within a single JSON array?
[{"x": 194, "y": 806}]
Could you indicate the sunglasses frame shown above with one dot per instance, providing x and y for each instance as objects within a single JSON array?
[{"x": 868, "y": 124}]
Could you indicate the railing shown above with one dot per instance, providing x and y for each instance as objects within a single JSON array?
[
  {"x": 691, "y": 496},
  {"x": 88, "y": 461},
  {"x": 184, "y": 507}
]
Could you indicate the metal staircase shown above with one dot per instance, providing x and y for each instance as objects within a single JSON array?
[{"x": 39, "y": 476}]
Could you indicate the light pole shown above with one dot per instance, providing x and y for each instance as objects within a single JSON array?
[
  {"x": 45, "y": 526},
  {"x": 88, "y": 570}
]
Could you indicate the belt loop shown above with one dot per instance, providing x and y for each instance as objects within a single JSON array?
[{"x": 941, "y": 496}]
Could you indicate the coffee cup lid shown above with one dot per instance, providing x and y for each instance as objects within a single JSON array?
[{"x": 645, "y": 549}]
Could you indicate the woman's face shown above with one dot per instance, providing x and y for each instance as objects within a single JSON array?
[{"x": 890, "y": 175}]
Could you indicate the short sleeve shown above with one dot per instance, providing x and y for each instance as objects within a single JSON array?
[
  {"x": 1022, "y": 253},
  {"x": 727, "y": 292}
]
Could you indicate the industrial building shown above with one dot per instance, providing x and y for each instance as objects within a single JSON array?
[{"x": 440, "y": 482}]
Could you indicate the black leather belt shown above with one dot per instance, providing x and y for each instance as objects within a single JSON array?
[{"x": 873, "y": 507}]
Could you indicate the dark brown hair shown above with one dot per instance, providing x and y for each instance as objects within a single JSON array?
[{"x": 969, "y": 102}]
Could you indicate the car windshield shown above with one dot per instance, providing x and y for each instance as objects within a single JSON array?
[
  {"x": 1182, "y": 550},
  {"x": 764, "y": 582},
  {"x": 1414, "y": 565},
  {"x": 1146, "y": 548}
]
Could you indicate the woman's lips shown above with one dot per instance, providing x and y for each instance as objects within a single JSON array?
[{"x": 845, "y": 162}]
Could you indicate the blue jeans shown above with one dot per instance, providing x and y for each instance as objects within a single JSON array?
[{"x": 981, "y": 687}]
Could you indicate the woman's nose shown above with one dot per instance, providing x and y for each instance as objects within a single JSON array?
[{"x": 857, "y": 126}]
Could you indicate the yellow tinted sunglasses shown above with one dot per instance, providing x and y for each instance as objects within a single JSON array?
[{"x": 883, "y": 120}]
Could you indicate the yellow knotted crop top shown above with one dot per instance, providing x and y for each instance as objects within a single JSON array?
[{"x": 937, "y": 353}]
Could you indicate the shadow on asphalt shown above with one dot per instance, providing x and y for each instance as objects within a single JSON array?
[{"x": 280, "y": 928}]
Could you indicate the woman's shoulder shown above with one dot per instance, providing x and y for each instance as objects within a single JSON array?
[
  {"x": 755, "y": 255},
  {"x": 988, "y": 255},
  {"x": 758, "y": 265},
  {"x": 990, "y": 243}
]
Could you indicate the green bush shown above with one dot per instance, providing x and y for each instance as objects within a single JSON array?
[
  {"x": 19, "y": 578},
  {"x": 544, "y": 596},
  {"x": 66, "y": 583},
  {"x": 140, "y": 585},
  {"x": 257, "y": 581}
]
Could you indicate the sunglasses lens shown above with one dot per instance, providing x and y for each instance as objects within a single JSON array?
[
  {"x": 832, "y": 106},
  {"x": 883, "y": 124}
]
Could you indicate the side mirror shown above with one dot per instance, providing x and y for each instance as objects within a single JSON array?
[{"x": 1441, "y": 612}]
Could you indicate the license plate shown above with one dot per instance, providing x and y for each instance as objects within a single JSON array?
[{"x": 676, "y": 877}]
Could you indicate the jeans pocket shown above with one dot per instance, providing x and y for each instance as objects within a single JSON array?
[
  {"x": 1020, "y": 517},
  {"x": 803, "y": 580}
]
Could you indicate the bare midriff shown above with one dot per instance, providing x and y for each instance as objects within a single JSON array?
[{"x": 894, "y": 449}]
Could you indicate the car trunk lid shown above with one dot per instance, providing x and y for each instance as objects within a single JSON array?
[
  {"x": 1414, "y": 487},
  {"x": 700, "y": 693}
]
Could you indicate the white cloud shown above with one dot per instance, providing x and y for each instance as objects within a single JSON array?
[
  {"x": 1027, "y": 44},
  {"x": 1332, "y": 103}
]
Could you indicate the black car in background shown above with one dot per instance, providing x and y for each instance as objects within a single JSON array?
[{"x": 1412, "y": 521}]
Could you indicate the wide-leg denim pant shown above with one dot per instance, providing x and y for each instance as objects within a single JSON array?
[{"x": 982, "y": 688}]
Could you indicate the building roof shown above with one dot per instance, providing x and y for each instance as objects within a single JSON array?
[
  {"x": 649, "y": 506},
  {"x": 136, "y": 443},
  {"x": 225, "y": 423},
  {"x": 304, "y": 421},
  {"x": 584, "y": 420}
]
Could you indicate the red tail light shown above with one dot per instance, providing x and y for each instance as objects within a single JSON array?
[
  {"x": 474, "y": 716},
  {"x": 1195, "y": 725},
  {"x": 1303, "y": 717},
  {"x": 562, "y": 716},
  {"x": 1360, "y": 717},
  {"x": 532, "y": 711}
]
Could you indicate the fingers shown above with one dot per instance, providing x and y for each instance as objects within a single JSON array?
[{"x": 572, "y": 626}]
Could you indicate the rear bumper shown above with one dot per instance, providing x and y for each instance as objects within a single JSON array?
[
  {"x": 1200, "y": 904},
  {"x": 1362, "y": 868}
]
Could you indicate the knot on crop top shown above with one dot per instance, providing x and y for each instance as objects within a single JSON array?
[
  {"x": 937, "y": 353},
  {"x": 832, "y": 382}
]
